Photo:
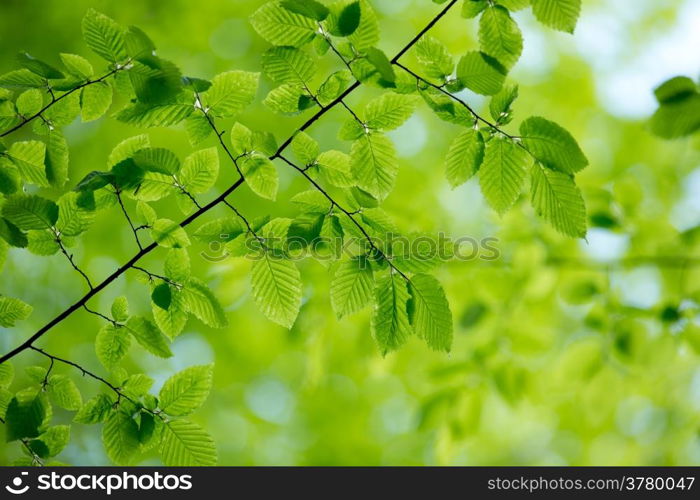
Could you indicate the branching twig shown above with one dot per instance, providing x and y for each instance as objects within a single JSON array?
[
  {"x": 85, "y": 372},
  {"x": 152, "y": 276},
  {"x": 72, "y": 261},
  {"x": 348, "y": 214},
  {"x": 117, "y": 192},
  {"x": 28, "y": 344},
  {"x": 54, "y": 100}
]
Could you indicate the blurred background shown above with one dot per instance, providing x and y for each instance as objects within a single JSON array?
[{"x": 566, "y": 352}]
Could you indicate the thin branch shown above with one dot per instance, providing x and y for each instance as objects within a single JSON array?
[
  {"x": 100, "y": 315},
  {"x": 72, "y": 262},
  {"x": 117, "y": 192},
  {"x": 152, "y": 276},
  {"x": 514, "y": 138},
  {"x": 348, "y": 214},
  {"x": 54, "y": 100},
  {"x": 27, "y": 344},
  {"x": 87, "y": 372}
]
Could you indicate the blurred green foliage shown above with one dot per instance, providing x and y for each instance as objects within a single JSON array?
[{"x": 565, "y": 352}]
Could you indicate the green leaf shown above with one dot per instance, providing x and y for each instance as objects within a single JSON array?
[
  {"x": 288, "y": 99},
  {"x": 348, "y": 20},
  {"x": 241, "y": 139},
  {"x": 161, "y": 296},
  {"x": 27, "y": 415},
  {"x": 500, "y": 105},
  {"x": 95, "y": 410},
  {"x": 43, "y": 242},
  {"x": 201, "y": 302},
  {"x": 231, "y": 92},
  {"x": 198, "y": 129},
  {"x": 260, "y": 175},
  {"x": 30, "y": 211},
  {"x": 429, "y": 312},
  {"x": 120, "y": 308},
  {"x": 111, "y": 345},
  {"x": 312, "y": 201},
  {"x": 148, "y": 336},
  {"x": 95, "y": 100},
  {"x": 675, "y": 89},
  {"x": 11, "y": 234},
  {"x": 390, "y": 324},
  {"x": 169, "y": 234},
  {"x": 64, "y": 392},
  {"x": 56, "y": 168},
  {"x": 222, "y": 230},
  {"x": 514, "y": 5},
  {"x": 502, "y": 173},
  {"x": 561, "y": 15},
  {"x": 7, "y": 373},
  {"x": 155, "y": 80},
  {"x": 288, "y": 65},
  {"x": 187, "y": 390},
  {"x": 307, "y": 8},
  {"x": 120, "y": 437},
  {"x": 481, "y": 73},
  {"x": 21, "y": 79},
  {"x": 464, "y": 157},
  {"x": 104, "y": 36},
  {"x": 352, "y": 286},
  {"x": 177, "y": 265},
  {"x": 472, "y": 8},
  {"x": 185, "y": 443},
  {"x": 280, "y": 26},
  {"x": 138, "y": 385},
  {"x": 374, "y": 164},
  {"x": 29, "y": 102},
  {"x": 13, "y": 310},
  {"x": 381, "y": 63},
  {"x": 128, "y": 149},
  {"x": 677, "y": 118},
  {"x": 305, "y": 229},
  {"x": 276, "y": 287},
  {"x": 499, "y": 36},
  {"x": 72, "y": 219},
  {"x": 447, "y": 109},
  {"x": 28, "y": 157},
  {"x": 159, "y": 160},
  {"x": 38, "y": 67},
  {"x": 305, "y": 148},
  {"x": 435, "y": 58},
  {"x": 389, "y": 111},
  {"x": 171, "y": 321},
  {"x": 333, "y": 87},
  {"x": 60, "y": 113},
  {"x": 52, "y": 442},
  {"x": 200, "y": 171},
  {"x": 556, "y": 198},
  {"x": 163, "y": 115},
  {"x": 367, "y": 33},
  {"x": 335, "y": 168},
  {"x": 552, "y": 145},
  {"x": 10, "y": 180},
  {"x": 77, "y": 65}
]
